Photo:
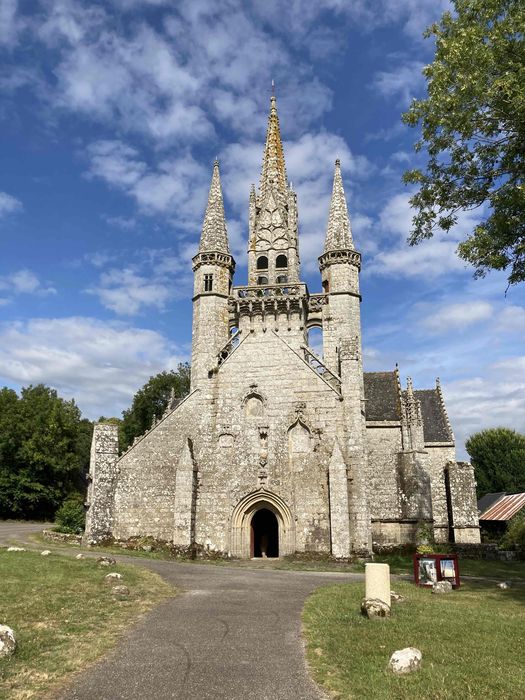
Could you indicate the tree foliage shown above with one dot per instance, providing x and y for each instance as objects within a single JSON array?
[
  {"x": 473, "y": 130},
  {"x": 498, "y": 458},
  {"x": 71, "y": 516},
  {"x": 514, "y": 537},
  {"x": 152, "y": 400},
  {"x": 44, "y": 451}
]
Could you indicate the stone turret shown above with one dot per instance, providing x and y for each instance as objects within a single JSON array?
[
  {"x": 339, "y": 265},
  {"x": 273, "y": 254},
  {"x": 213, "y": 268}
]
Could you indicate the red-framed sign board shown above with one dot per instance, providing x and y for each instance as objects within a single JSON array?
[{"x": 430, "y": 568}]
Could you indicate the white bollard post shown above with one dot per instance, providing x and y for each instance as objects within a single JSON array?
[{"x": 377, "y": 582}]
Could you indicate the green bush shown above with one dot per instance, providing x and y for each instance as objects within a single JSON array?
[
  {"x": 514, "y": 538},
  {"x": 71, "y": 516}
]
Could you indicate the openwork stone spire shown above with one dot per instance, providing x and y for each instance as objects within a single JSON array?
[
  {"x": 214, "y": 236},
  {"x": 338, "y": 231},
  {"x": 273, "y": 174}
]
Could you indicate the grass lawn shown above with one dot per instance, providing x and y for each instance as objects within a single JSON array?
[
  {"x": 472, "y": 642},
  {"x": 64, "y": 616}
]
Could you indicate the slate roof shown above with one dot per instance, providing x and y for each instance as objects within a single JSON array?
[
  {"x": 435, "y": 424},
  {"x": 383, "y": 404},
  {"x": 382, "y": 396}
]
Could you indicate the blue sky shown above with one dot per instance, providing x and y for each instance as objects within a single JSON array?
[{"x": 112, "y": 114}]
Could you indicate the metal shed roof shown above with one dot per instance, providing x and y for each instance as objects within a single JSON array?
[{"x": 505, "y": 507}]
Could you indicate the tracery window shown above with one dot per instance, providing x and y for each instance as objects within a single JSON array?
[{"x": 208, "y": 283}]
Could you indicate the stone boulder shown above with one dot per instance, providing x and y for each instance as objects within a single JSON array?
[
  {"x": 374, "y": 608},
  {"x": 112, "y": 577},
  {"x": 397, "y": 597},
  {"x": 504, "y": 585},
  {"x": 405, "y": 661},
  {"x": 442, "y": 587},
  {"x": 45, "y": 553},
  {"x": 16, "y": 549},
  {"x": 106, "y": 561},
  {"x": 7, "y": 641},
  {"x": 80, "y": 556},
  {"x": 120, "y": 591}
]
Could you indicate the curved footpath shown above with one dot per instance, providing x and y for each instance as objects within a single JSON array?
[{"x": 233, "y": 633}]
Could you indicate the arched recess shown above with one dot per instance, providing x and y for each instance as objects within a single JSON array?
[
  {"x": 315, "y": 338},
  {"x": 254, "y": 404},
  {"x": 299, "y": 438},
  {"x": 242, "y": 516}
]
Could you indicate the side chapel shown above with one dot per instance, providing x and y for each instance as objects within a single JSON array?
[{"x": 276, "y": 449}]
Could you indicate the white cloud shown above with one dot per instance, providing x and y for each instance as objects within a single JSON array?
[
  {"x": 22, "y": 282},
  {"x": 176, "y": 187},
  {"x": 404, "y": 82},
  {"x": 8, "y": 22},
  {"x": 451, "y": 317},
  {"x": 495, "y": 397},
  {"x": 160, "y": 276},
  {"x": 100, "y": 364},
  {"x": 127, "y": 293},
  {"x": 9, "y": 204},
  {"x": 429, "y": 259}
]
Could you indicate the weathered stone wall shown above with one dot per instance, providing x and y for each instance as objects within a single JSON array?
[
  {"x": 464, "y": 504},
  {"x": 145, "y": 493},
  {"x": 435, "y": 460},
  {"x": 384, "y": 445},
  {"x": 272, "y": 426},
  {"x": 103, "y": 478}
]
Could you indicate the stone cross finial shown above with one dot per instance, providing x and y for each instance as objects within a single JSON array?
[
  {"x": 214, "y": 236},
  {"x": 338, "y": 230}
]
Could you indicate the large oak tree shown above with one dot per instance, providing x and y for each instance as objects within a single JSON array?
[{"x": 473, "y": 132}]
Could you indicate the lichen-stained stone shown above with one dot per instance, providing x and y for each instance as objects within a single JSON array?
[
  {"x": 328, "y": 456},
  {"x": 374, "y": 608},
  {"x": 120, "y": 592},
  {"x": 405, "y": 661},
  {"x": 7, "y": 641},
  {"x": 441, "y": 587}
]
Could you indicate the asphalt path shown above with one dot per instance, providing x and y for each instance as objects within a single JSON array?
[{"x": 233, "y": 633}]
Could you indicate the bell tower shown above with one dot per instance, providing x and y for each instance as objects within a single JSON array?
[{"x": 273, "y": 254}]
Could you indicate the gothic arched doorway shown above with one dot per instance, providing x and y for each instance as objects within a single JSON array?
[
  {"x": 264, "y": 534},
  {"x": 245, "y": 516}
]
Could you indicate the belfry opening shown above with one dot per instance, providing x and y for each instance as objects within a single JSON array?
[{"x": 264, "y": 531}]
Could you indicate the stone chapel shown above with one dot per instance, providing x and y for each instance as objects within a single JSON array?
[{"x": 277, "y": 449}]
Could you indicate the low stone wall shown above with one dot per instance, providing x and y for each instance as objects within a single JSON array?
[
  {"x": 53, "y": 536},
  {"x": 483, "y": 551}
]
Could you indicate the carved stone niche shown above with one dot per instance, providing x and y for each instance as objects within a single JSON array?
[
  {"x": 254, "y": 405},
  {"x": 299, "y": 438}
]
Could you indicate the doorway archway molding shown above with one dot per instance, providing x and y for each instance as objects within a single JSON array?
[{"x": 242, "y": 516}]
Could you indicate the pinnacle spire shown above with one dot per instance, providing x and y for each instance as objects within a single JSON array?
[
  {"x": 273, "y": 173},
  {"x": 338, "y": 231},
  {"x": 214, "y": 236}
]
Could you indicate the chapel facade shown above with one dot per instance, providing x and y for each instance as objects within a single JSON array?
[{"x": 277, "y": 449}]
